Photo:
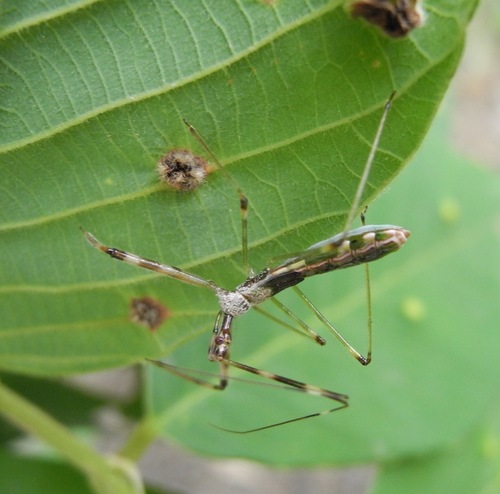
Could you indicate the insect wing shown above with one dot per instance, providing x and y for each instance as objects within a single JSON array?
[{"x": 364, "y": 244}]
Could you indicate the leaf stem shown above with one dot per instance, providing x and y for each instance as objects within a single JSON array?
[
  {"x": 140, "y": 439},
  {"x": 35, "y": 421}
]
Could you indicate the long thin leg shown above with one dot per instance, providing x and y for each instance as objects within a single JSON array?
[
  {"x": 135, "y": 260},
  {"x": 369, "y": 320},
  {"x": 360, "y": 358},
  {"x": 357, "y": 355},
  {"x": 288, "y": 384},
  {"x": 187, "y": 374},
  {"x": 309, "y": 334},
  {"x": 219, "y": 350},
  {"x": 308, "y": 331},
  {"x": 291, "y": 384},
  {"x": 243, "y": 197}
]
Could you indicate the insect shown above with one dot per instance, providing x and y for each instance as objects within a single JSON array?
[
  {"x": 396, "y": 18},
  {"x": 349, "y": 248}
]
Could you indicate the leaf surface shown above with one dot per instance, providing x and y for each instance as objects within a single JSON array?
[{"x": 288, "y": 97}]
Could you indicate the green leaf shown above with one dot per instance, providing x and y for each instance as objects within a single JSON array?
[
  {"x": 288, "y": 97},
  {"x": 22, "y": 474},
  {"x": 468, "y": 466}
]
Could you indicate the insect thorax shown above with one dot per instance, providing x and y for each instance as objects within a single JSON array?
[
  {"x": 249, "y": 293},
  {"x": 253, "y": 289},
  {"x": 232, "y": 303}
]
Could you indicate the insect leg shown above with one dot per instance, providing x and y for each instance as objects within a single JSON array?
[
  {"x": 293, "y": 385},
  {"x": 135, "y": 260},
  {"x": 243, "y": 197}
]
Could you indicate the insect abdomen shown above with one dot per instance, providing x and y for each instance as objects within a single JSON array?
[{"x": 344, "y": 250}]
